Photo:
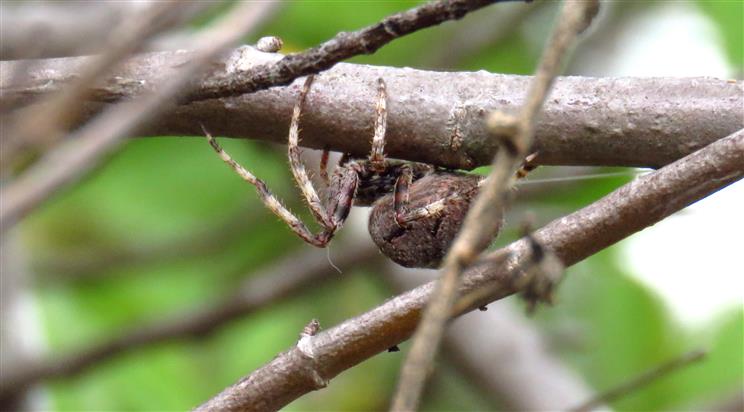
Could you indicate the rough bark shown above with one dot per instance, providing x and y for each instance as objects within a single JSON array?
[{"x": 434, "y": 117}]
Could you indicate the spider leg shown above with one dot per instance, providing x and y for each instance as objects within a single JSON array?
[
  {"x": 298, "y": 169},
  {"x": 324, "y": 167},
  {"x": 432, "y": 209},
  {"x": 403, "y": 215},
  {"x": 524, "y": 170},
  {"x": 341, "y": 196},
  {"x": 400, "y": 196},
  {"x": 376, "y": 156},
  {"x": 527, "y": 166},
  {"x": 268, "y": 198},
  {"x": 344, "y": 159}
]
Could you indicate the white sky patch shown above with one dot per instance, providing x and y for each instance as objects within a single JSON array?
[
  {"x": 692, "y": 259},
  {"x": 672, "y": 39}
]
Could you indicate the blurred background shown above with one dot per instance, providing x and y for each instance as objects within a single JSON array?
[{"x": 164, "y": 232}]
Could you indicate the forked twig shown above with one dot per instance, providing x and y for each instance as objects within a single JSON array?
[{"x": 484, "y": 217}]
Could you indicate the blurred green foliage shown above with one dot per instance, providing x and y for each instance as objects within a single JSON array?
[
  {"x": 612, "y": 328},
  {"x": 157, "y": 190},
  {"x": 728, "y": 16}
]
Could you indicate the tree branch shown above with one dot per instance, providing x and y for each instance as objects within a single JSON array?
[
  {"x": 291, "y": 275},
  {"x": 340, "y": 47},
  {"x": 434, "y": 117},
  {"x": 629, "y": 209}
]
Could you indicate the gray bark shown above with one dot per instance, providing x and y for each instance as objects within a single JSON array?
[{"x": 434, "y": 117}]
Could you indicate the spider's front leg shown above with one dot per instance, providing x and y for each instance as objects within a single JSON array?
[
  {"x": 341, "y": 194},
  {"x": 403, "y": 214},
  {"x": 298, "y": 169},
  {"x": 330, "y": 219},
  {"x": 270, "y": 200}
]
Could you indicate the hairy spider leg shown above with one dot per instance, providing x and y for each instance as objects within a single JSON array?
[
  {"x": 324, "y": 167},
  {"x": 376, "y": 155},
  {"x": 400, "y": 196},
  {"x": 271, "y": 202},
  {"x": 404, "y": 216},
  {"x": 341, "y": 194},
  {"x": 298, "y": 169}
]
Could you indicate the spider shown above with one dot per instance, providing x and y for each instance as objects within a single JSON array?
[{"x": 417, "y": 208}]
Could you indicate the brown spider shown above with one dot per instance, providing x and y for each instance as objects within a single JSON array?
[{"x": 417, "y": 208}]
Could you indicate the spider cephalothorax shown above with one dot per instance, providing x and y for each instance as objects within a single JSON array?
[{"x": 417, "y": 208}]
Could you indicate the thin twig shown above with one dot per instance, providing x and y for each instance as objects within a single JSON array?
[
  {"x": 340, "y": 47},
  {"x": 80, "y": 153},
  {"x": 629, "y": 209},
  {"x": 291, "y": 275},
  {"x": 434, "y": 117},
  {"x": 485, "y": 215},
  {"x": 641, "y": 380}
]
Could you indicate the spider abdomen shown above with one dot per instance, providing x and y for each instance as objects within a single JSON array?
[{"x": 424, "y": 242}]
